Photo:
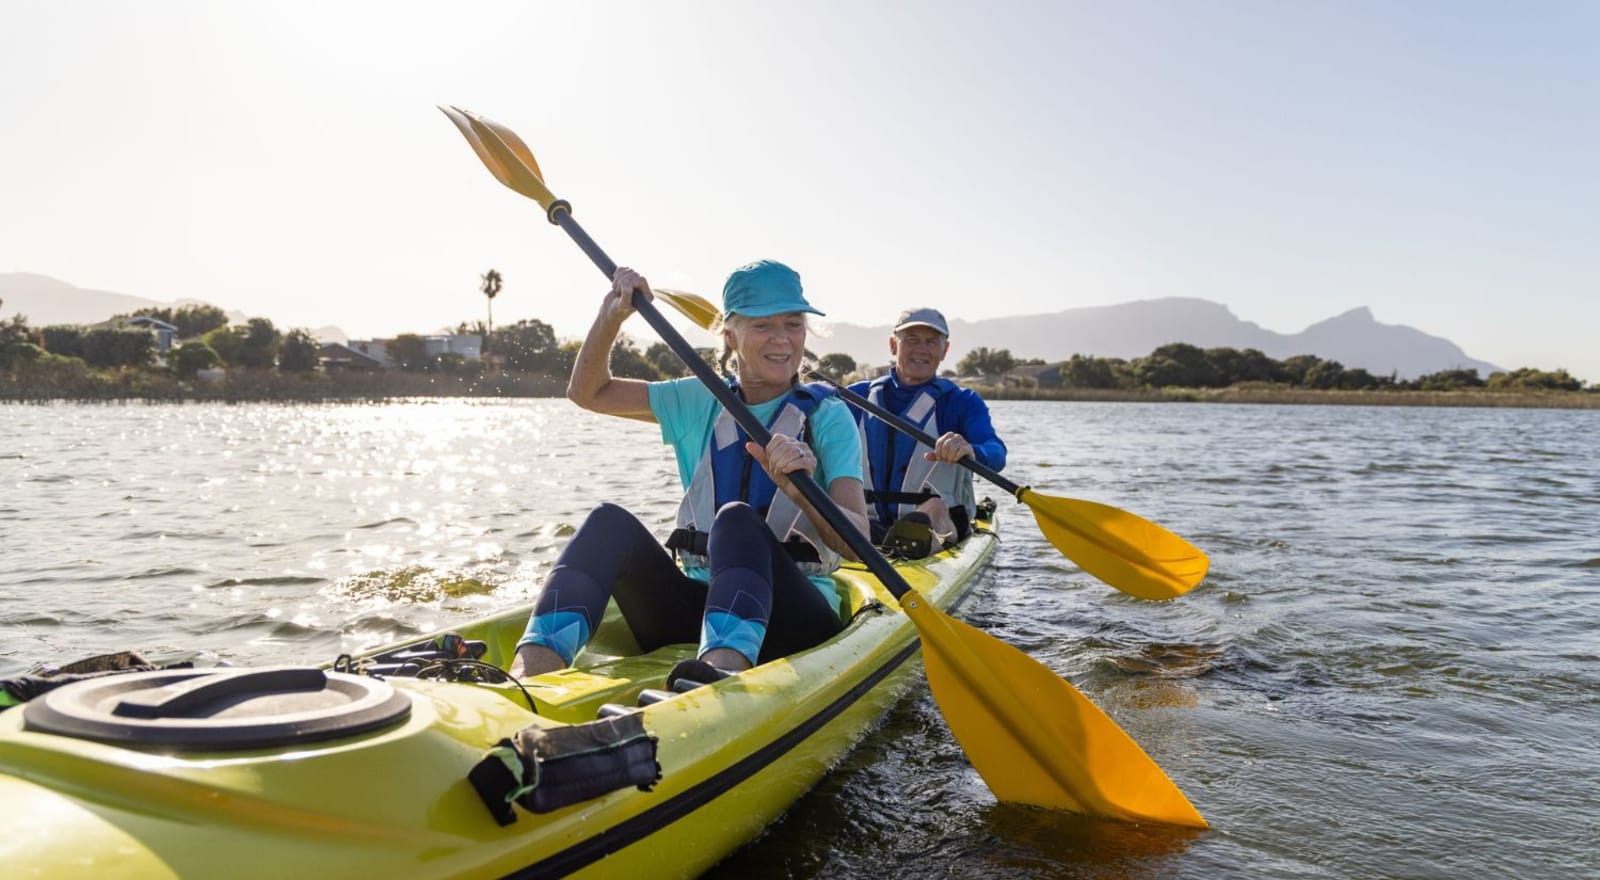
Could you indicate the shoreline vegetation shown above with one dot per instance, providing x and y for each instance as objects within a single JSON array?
[
  {"x": 1264, "y": 393},
  {"x": 246, "y": 386},
  {"x": 194, "y": 354}
]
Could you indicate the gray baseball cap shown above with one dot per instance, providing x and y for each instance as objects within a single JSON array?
[{"x": 923, "y": 317}]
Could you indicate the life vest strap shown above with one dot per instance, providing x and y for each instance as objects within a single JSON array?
[
  {"x": 875, "y": 495},
  {"x": 695, "y": 542}
]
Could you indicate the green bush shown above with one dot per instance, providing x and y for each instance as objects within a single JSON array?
[
  {"x": 298, "y": 353},
  {"x": 63, "y": 339},
  {"x": 192, "y": 357},
  {"x": 105, "y": 347},
  {"x": 1528, "y": 378},
  {"x": 14, "y": 353}
]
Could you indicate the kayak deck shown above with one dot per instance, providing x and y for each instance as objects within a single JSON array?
[{"x": 733, "y": 756}]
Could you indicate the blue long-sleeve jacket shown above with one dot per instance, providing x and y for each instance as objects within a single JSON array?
[{"x": 958, "y": 409}]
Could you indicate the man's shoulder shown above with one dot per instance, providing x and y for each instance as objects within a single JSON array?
[{"x": 961, "y": 395}]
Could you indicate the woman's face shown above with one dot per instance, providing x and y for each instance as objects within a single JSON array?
[{"x": 769, "y": 348}]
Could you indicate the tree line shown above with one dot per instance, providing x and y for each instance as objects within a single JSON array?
[
  {"x": 1182, "y": 365},
  {"x": 213, "y": 342},
  {"x": 208, "y": 340},
  {"x": 530, "y": 347}
]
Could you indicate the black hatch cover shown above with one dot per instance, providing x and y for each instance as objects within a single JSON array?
[{"x": 218, "y": 709}]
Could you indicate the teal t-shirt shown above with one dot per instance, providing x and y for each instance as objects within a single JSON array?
[{"x": 688, "y": 411}]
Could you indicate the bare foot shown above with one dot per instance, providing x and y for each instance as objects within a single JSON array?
[
  {"x": 534, "y": 660},
  {"x": 726, "y": 659}
]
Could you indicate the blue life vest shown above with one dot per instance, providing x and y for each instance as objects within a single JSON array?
[
  {"x": 899, "y": 477},
  {"x": 726, "y": 473}
]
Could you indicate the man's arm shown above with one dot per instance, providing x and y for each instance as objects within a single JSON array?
[{"x": 970, "y": 418}]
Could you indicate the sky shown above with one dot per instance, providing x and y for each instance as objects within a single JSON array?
[{"x": 1434, "y": 161}]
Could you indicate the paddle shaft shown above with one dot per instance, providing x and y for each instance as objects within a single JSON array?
[
  {"x": 561, "y": 214},
  {"x": 912, "y": 431}
]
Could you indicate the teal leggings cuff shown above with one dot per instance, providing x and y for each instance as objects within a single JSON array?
[{"x": 561, "y": 631}]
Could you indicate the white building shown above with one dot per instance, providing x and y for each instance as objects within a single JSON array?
[{"x": 467, "y": 345}]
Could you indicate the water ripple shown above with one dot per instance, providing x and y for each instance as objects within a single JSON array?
[{"x": 1391, "y": 663}]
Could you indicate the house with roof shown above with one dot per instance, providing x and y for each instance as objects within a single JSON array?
[
  {"x": 371, "y": 349},
  {"x": 468, "y": 345},
  {"x": 166, "y": 334},
  {"x": 1035, "y": 376},
  {"x": 334, "y": 356}
]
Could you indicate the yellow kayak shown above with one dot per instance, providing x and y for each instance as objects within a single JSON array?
[{"x": 361, "y": 768}]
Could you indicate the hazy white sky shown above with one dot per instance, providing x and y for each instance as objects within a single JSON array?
[{"x": 1292, "y": 160}]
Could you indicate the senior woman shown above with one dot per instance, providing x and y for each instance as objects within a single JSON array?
[{"x": 750, "y": 579}]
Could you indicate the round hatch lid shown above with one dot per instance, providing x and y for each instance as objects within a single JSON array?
[{"x": 216, "y": 709}]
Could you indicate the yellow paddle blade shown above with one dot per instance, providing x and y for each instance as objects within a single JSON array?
[
  {"x": 503, "y": 153},
  {"x": 509, "y": 138},
  {"x": 1033, "y": 737},
  {"x": 695, "y": 308},
  {"x": 1126, "y": 551}
]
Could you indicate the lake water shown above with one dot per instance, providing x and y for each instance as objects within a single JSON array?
[{"x": 1393, "y": 669}]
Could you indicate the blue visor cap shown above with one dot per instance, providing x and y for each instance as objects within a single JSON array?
[{"x": 762, "y": 289}]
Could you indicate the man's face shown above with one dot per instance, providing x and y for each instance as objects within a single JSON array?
[{"x": 917, "y": 353}]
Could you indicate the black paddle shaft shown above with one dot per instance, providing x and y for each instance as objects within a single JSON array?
[
  {"x": 860, "y": 544},
  {"x": 910, "y": 430}
]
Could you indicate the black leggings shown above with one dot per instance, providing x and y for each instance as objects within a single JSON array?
[{"x": 758, "y": 601}]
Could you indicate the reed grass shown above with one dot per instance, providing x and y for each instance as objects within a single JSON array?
[
  {"x": 267, "y": 385},
  {"x": 240, "y": 386},
  {"x": 1263, "y": 393}
]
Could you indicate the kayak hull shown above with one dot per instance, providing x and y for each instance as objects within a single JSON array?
[{"x": 396, "y": 802}]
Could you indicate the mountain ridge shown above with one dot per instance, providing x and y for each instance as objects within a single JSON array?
[{"x": 1354, "y": 338}]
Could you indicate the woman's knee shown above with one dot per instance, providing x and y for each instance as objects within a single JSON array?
[
  {"x": 737, "y": 515},
  {"x": 605, "y": 535},
  {"x": 608, "y": 515},
  {"x": 736, "y": 508},
  {"x": 610, "y": 523},
  {"x": 739, "y": 537}
]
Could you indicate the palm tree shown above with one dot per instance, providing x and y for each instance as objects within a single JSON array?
[{"x": 490, "y": 288}]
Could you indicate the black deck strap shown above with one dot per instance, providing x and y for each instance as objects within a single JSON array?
[
  {"x": 23, "y": 688},
  {"x": 496, "y": 779},
  {"x": 875, "y": 495},
  {"x": 692, "y": 672},
  {"x": 871, "y": 606},
  {"x": 986, "y": 508},
  {"x": 43, "y": 679},
  {"x": 547, "y": 768},
  {"x": 688, "y": 540},
  {"x": 119, "y": 661},
  {"x": 692, "y": 541},
  {"x": 801, "y": 550}
]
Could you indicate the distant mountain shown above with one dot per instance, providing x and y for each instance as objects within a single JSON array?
[
  {"x": 45, "y": 301},
  {"x": 1130, "y": 330},
  {"x": 330, "y": 333}
]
